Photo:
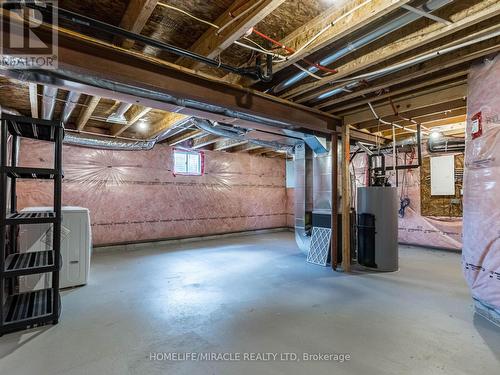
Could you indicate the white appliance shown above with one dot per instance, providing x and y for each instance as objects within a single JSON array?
[{"x": 76, "y": 247}]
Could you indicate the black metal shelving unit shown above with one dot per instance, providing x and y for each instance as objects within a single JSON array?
[{"x": 35, "y": 308}]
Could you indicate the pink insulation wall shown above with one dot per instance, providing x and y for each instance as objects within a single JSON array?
[
  {"x": 135, "y": 196},
  {"x": 481, "y": 252}
]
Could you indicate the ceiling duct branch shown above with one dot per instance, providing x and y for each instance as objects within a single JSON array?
[
  {"x": 238, "y": 134},
  {"x": 49, "y": 102},
  {"x": 69, "y": 107}
]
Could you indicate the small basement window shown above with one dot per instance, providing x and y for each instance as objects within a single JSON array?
[{"x": 188, "y": 162}]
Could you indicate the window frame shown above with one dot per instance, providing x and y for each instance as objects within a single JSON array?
[{"x": 186, "y": 152}]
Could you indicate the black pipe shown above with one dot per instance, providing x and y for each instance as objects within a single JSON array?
[{"x": 79, "y": 19}]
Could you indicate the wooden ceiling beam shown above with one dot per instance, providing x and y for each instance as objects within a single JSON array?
[
  {"x": 245, "y": 147},
  {"x": 204, "y": 141},
  {"x": 443, "y": 121},
  {"x": 184, "y": 136},
  {"x": 226, "y": 143},
  {"x": 410, "y": 87},
  {"x": 385, "y": 111},
  {"x": 275, "y": 154},
  {"x": 435, "y": 119},
  {"x": 441, "y": 89},
  {"x": 134, "y": 114},
  {"x": 90, "y": 106},
  {"x": 260, "y": 151},
  {"x": 171, "y": 119},
  {"x": 135, "y": 18},
  {"x": 364, "y": 135},
  {"x": 149, "y": 82},
  {"x": 215, "y": 41},
  {"x": 360, "y": 15},
  {"x": 476, "y": 13},
  {"x": 33, "y": 90},
  {"x": 416, "y": 73},
  {"x": 423, "y": 111}
]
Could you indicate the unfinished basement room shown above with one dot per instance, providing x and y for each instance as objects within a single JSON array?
[{"x": 250, "y": 187}]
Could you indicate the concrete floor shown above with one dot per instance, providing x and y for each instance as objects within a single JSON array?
[{"x": 257, "y": 294}]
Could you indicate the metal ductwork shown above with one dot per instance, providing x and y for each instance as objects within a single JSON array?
[
  {"x": 302, "y": 159},
  {"x": 109, "y": 143},
  {"x": 379, "y": 32},
  {"x": 313, "y": 191},
  {"x": 446, "y": 144},
  {"x": 118, "y": 116},
  {"x": 92, "y": 141},
  {"x": 69, "y": 107},
  {"x": 49, "y": 102},
  {"x": 315, "y": 143},
  {"x": 238, "y": 134}
]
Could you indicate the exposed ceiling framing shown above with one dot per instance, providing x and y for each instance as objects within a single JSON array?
[{"x": 431, "y": 91}]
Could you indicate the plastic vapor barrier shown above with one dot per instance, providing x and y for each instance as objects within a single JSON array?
[
  {"x": 413, "y": 228},
  {"x": 136, "y": 196},
  {"x": 481, "y": 251}
]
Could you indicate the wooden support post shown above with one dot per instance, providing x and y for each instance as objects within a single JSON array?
[
  {"x": 334, "y": 198},
  {"x": 346, "y": 201}
]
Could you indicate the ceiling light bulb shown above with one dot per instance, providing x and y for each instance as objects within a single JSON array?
[
  {"x": 435, "y": 135},
  {"x": 142, "y": 125}
]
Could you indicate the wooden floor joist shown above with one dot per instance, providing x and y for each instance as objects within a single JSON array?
[
  {"x": 83, "y": 118},
  {"x": 184, "y": 136},
  {"x": 360, "y": 13},
  {"x": 205, "y": 140},
  {"x": 475, "y": 14},
  {"x": 460, "y": 59},
  {"x": 134, "y": 76},
  {"x": 134, "y": 115},
  {"x": 227, "y": 143},
  {"x": 135, "y": 17},
  {"x": 460, "y": 75},
  {"x": 214, "y": 41},
  {"x": 386, "y": 110}
]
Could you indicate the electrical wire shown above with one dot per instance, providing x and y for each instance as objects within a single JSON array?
[
  {"x": 277, "y": 57},
  {"x": 188, "y": 14},
  {"x": 307, "y": 72},
  {"x": 274, "y": 55},
  {"x": 239, "y": 16},
  {"x": 291, "y": 50},
  {"x": 327, "y": 27},
  {"x": 259, "y": 48}
]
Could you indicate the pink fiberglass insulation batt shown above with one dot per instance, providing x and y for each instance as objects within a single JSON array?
[
  {"x": 135, "y": 196},
  {"x": 481, "y": 250}
]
